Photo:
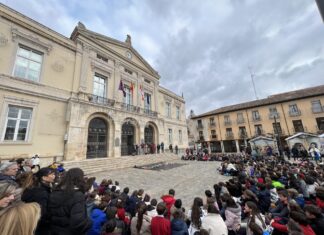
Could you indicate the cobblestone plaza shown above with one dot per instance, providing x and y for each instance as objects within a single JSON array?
[{"x": 188, "y": 181}]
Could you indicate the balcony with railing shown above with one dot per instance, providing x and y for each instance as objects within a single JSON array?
[
  {"x": 242, "y": 134},
  {"x": 259, "y": 132},
  {"x": 279, "y": 132},
  {"x": 318, "y": 109},
  {"x": 200, "y": 126},
  {"x": 229, "y": 135},
  {"x": 212, "y": 124},
  {"x": 274, "y": 115},
  {"x": 149, "y": 112},
  {"x": 256, "y": 118},
  {"x": 213, "y": 137},
  {"x": 297, "y": 129},
  {"x": 294, "y": 113},
  {"x": 228, "y": 123},
  {"x": 87, "y": 97},
  {"x": 240, "y": 121},
  {"x": 130, "y": 108}
]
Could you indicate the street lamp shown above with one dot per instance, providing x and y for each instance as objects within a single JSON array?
[{"x": 277, "y": 134}]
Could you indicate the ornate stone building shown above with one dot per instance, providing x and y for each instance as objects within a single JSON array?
[{"x": 87, "y": 96}]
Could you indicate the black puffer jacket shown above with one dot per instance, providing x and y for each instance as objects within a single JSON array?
[
  {"x": 68, "y": 213},
  {"x": 41, "y": 196}
]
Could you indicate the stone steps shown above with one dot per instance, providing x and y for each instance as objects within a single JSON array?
[{"x": 105, "y": 164}]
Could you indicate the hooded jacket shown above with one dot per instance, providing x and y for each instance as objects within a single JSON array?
[
  {"x": 233, "y": 217},
  {"x": 214, "y": 224},
  {"x": 169, "y": 201},
  {"x": 98, "y": 218},
  {"x": 179, "y": 227}
]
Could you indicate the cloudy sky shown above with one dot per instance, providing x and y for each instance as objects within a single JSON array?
[{"x": 205, "y": 48}]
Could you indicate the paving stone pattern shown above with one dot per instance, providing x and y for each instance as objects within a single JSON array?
[{"x": 188, "y": 181}]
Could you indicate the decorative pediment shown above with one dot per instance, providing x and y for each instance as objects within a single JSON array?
[{"x": 20, "y": 36}]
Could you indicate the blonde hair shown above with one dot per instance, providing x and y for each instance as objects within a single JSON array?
[{"x": 21, "y": 219}]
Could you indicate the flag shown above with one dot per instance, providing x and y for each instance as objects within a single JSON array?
[
  {"x": 148, "y": 99},
  {"x": 142, "y": 92},
  {"x": 132, "y": 88},
  {"x": 121, "y": 88}
]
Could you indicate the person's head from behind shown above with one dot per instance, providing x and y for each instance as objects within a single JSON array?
[
  {"x": 208, "y": 193},
  {"x": 178, "y": 203},
  {"x": 109, "y": 226},
  {"x": 20, "y": 219},
  {"x": 177, "y": 214},
  {"x": 7, "y": 193},
  {"x": 153, "y": 202},
  {"x": 111, "y": 212},
  {"x": 226, "y": 198},
  {"x": 171, "y": 192},
  {"x": 9, "y": 168},
  {"x": 198, "y": 202},
  {"x": 211, "y": 209},
  {"x": 161, "y": 208},
  {"x": 312, "y": 211},
  {"x": 126, "y": 190},
  {"x": 293, "y": 226},
  {"x": 299, "y": 217},
  {"x": 74, "y": 178}
]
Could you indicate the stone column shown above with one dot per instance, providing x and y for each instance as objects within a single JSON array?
[
  {"x": 237, "y": 146},
  {"x": 222, "y": 147},
  {"x": 84, "y": 68}
]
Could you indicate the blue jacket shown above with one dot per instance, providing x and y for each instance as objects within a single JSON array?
[
  {"x": 179, "y": 227},
  {"x": 98, "y": 218}
]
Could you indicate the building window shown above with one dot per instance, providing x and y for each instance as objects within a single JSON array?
[
  {"x": 256, "y": 115},
  {"x": 100, "y": 57},
  {"x": 180, "y": 136},
  {"x": 201, "y": 135},
  {"x": 178, "y": 112},
  {"x": 199, "y": 124},
  {"x": 213, "y": 134},
  {"x": 240, "y": 118},
  {"x": 170, "y": 136},
  {"x": 212, "y": 121},
  {"x": 17, "y": 123},
  {"x": 168, "y": 110},
  {"x": 277, "y": 128},
  {"x": 229, "y": 133},
  {"x": 129, "y": 96},
  {"x": 293, "y": 110},
  {"x": 28, "y": 64},
  {"x": 273, "y": 113},
  {"x": 147, "y": 102},
  {"x": 258, "y": 129},
  {"x": 99, "y": 87},
  {"x": 227, "y": 120},
  {"x": 317, "y": 106},
  {"x": 320, "y": 123},
  {"x": 242, "y": 132},
  {"x": 128, "y": 71},
  {"x": 298, "y": 125}
]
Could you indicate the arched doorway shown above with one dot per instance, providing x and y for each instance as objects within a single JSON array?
[
  {"x": 97, "y": 138},
  {"x": 128, "y": 139}
]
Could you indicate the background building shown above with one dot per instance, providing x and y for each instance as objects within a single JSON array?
[
  {"x": 87, "y": 96},
  {"x": 228, "y": 129}
]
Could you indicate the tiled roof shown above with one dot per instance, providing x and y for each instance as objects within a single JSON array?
[{"x": 273, "y": 99}]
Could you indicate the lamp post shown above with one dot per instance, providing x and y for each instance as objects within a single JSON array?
[{"x": 277, "y": 135}]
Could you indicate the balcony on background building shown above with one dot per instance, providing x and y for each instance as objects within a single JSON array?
[
  {"x": 240, "y": 121},
  {"x": 294, "y": 113},
  {"x": 213, "y": 137},
  {"x": 228, "y": 123},
  {"x": 200, "y": 126},
  {"x": 274, "y": 115},
  {"x": 242, "y": 134},
  {"x": 229, "y": 135},
  {"x": 212, "y": 124},
  {"x": 279, "y": 132},
  {"x": 319, "y": 109},
  {"x": 297, "y": 129},
  {"x": 256, "y": 119},
  {"x": 259, "y": 132}
]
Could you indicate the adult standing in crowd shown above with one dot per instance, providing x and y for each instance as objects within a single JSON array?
[
  {"x": 67, "y": 205},
  {"x": 213, "y": 222},
  {"x": 39, "y": 191},
  {"x": 8, "y": 171}
]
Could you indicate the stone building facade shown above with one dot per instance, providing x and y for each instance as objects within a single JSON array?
[
  {"x": 87, "y": 96},
  {"x": 228, "y": 129}
]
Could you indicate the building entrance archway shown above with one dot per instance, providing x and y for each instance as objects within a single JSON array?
[
  {"x": 97, "y": 138},
  {"x": 128, "y": 139}
]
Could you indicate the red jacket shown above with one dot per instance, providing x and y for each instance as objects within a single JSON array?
[
  {"x": 160, "y": 226},
  {"x": 169, "y": 201},
  {"x": 320, "y": 203},
  {"x": 283, "y": 228}
]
